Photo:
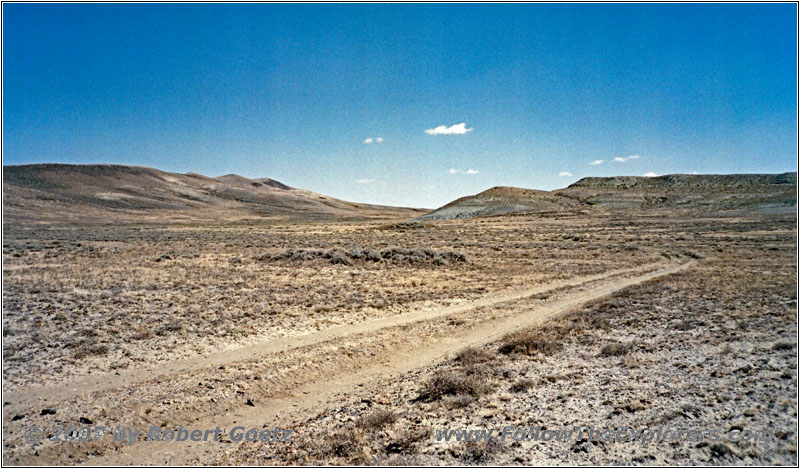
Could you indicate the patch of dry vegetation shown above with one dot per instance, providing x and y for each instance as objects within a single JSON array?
[{"x": 349, "y": 256}]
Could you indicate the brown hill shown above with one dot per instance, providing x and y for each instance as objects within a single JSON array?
[
  {"x": 113, "y": 193},
  {"x": 720, "y": 194},
  {"x": 728, "y": 193},
  {"x": 502, "y": 200}
]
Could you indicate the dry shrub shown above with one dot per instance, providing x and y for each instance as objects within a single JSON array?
[
  {"x": 347, "y": 443},
  {"x": 783, "y": 346},
  {"x": 529, "y": 342},
  {"x": 87, "y": 350},
  {"x": 473, "y": 355},
  {"x": 616, "y": 349},
  {"x": 347, "y": 257},
  {"x": 376, "y": 420},
  {"x": 521, "y": 385},
  {"x": 478, "y": 452},
  {"x": 407, "y": 440},
  {"x": 457, "y": 402},
  {"x": 452, "y": 383}
]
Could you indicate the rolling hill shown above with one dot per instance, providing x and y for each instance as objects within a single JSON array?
[
  {"x": 500, "y": 201},
  {"x": 719, "y": 194},
  {"x": 114, "y": 193}
]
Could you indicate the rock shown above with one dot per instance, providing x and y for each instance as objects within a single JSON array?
[
  {"x": 17, "y": 417},
  {"x": 48, "y": 412},
  {"x": 86, "y": 421},
  {"x": 251, "y": 403}
]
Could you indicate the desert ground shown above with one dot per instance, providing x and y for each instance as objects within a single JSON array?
[{"x": 364, "y": 335}]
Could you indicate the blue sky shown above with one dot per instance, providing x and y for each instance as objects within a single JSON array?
[{"x": 292, "y": 92}]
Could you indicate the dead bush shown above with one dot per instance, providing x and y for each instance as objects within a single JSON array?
[
  {"x": 616, "y": 349},
  {"x": 529, "y": 342},
  {"x": 450, "y": 383},
  {"x": 376, "y": 420},
  {"x": 472, "y": 355},
  {"x": 87, "y": 350},
  {"x": 783, "y": 346},
  {"x": 347, "y": 256},
  {"x": 521, "y": 385},
  {"x": 478, "y": 452},
  {"x": 407, "y": 440},
  {"x": 457, "y": 402}
]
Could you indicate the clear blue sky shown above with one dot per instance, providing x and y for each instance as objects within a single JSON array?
[{"x": 292, "y": 92}]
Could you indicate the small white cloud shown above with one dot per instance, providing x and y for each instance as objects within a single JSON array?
[
  {"x": 650, "y": 174},
  {"x": 622, "y": 159},
  {"x": 564, "y": 173},
  {"x": 367, "y": 141},
  {"x": 596, "y": 162},
  {"x": 459, "y": 171},
  {"x": 365, "y": 181},
  {"x": 456, "y": 129},
  {"x": 379, "y": 140},
  {"x": 694, "y": 172}
]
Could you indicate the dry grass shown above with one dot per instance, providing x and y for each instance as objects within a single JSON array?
[{"x": 152, "y": 292}]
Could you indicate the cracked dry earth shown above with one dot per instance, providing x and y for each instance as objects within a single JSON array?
[{"x": 546, "y": 321}]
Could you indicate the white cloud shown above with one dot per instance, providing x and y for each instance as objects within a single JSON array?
[
  {"x": 694, "y": 172},
  {"x": 365, "y": 181},
  {"x": 622, "y": 159},
  {"x": 456, "y": 129},
  {"x": 564, "y": 173},
  {"x": 458, "y": 171},
  {"x": 650, "y": 174},
  {"x": 367, "y": 141},
  {"x": 379, "y": 140},
  {"x": 596, "y": 162}
]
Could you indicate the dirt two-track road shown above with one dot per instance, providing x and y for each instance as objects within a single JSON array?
[{"x": 289, "y": 379}]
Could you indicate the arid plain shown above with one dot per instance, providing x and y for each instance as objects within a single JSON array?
[{"x": 134, "y": 298}]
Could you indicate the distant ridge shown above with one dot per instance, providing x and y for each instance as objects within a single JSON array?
[
  {"x": 720, "y": 194},
  {"x": 501, "y": 200},
  {"x": 103, "y": 193},
  {"x": 235, "y": 179},
  {"x": 688, "y": 180}
]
